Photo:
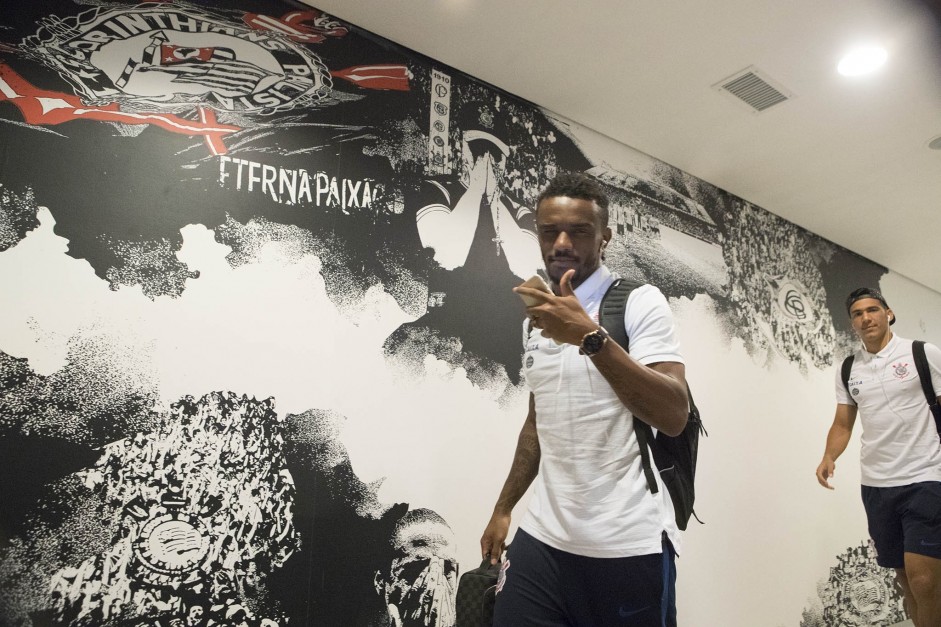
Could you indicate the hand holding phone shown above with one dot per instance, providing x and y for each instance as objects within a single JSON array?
[{"x": 535, "y": 282}]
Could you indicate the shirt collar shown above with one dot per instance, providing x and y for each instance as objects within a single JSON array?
[{"x": 886, "y": 350}]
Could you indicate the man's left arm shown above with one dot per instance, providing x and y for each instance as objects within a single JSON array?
[{"x": 655, "y": 393}]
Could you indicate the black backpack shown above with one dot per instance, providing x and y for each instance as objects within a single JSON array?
[
  {"x": 924, "y": 375},
  {"x": 675, "y": 457}
]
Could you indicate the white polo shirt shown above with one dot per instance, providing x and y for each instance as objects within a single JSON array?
[
  {"x": 590, "y": 496},
  {"x": 900, "y": 443}
]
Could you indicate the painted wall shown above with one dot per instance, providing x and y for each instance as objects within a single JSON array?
[{"x": 259, "y": 356}]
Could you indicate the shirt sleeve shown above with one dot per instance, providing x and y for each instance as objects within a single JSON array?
[
  {"x": 651, "y": 331},
  {"x": 842, "y": 395}
]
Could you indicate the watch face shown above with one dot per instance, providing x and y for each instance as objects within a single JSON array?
[{"x": 593, "y": 342}]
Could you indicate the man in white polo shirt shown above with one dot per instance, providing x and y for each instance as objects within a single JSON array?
[
  {"x": 901, "y": 452},
  {"x": 595, "y": 547}
]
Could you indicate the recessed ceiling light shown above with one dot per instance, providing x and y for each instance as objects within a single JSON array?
[{"x": 862, "y": 60}]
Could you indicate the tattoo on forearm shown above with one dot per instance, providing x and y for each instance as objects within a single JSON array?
[{"x": 523, "y": 471}]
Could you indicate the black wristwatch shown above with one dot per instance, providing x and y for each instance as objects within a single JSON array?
[{"x": 593, "y": 342}]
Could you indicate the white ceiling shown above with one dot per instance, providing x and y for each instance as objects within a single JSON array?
[{"x": 845, "y": 158}]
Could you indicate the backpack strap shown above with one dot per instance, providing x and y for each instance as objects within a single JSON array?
[
  {"x": 694, "y": 411},
  {"x": 924, "y": 375},
  {"x": 611, "y": 311},
  {"x": 845, "y": 374},
  {"x": 611, "y": 318},
  {"x": 644, "y": 438}
]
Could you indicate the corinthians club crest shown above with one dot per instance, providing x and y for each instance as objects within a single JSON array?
[
  {"x": 900, "y": 370},
  {"x": 792, "y": 300},
  {"x": 160, "y": 54}
]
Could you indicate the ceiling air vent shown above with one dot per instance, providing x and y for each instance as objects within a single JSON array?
[{"x": 754, "y": 89}]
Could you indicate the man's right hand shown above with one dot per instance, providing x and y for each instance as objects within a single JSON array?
[
  {"x": 825, "y": 471},
  {"x": 493, "y": 542}
]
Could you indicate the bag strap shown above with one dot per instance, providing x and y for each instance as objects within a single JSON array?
[
  {"x": 845, "y": 373},
  {"x": 924, "y": 375},
  {"x": 694, "y": 412},
  {"x": 612, "y": 308},
  {"x": 644, "y": 438},
  {"x": 611, "y": 318}
]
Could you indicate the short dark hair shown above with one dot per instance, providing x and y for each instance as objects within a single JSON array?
[
  {"x": 577, "y": 185},
  {"x": 866, "y": 292}
]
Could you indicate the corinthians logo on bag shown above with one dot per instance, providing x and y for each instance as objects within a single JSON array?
[{"x": 155, "y": 55}]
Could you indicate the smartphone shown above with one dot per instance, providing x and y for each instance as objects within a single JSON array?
[{"x": 535, "y": 282}]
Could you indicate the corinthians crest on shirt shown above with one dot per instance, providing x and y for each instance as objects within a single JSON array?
[
  {"x": 900, "y": 370},
  {"x": 156, "y": 54}
]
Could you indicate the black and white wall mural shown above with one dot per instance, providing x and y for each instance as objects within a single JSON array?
[
  {"x": 857, "y": 592},
  {"x": 259, "y": 355}
]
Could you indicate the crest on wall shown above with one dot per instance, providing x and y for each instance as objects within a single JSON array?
[
  {"x": 157, "y": 55},
  {"x": 858, "y": 592}
]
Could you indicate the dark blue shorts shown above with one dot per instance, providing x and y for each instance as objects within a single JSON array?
[
  {"x": 546, "y": 587},
  {"x": 904, "y": 519}
]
